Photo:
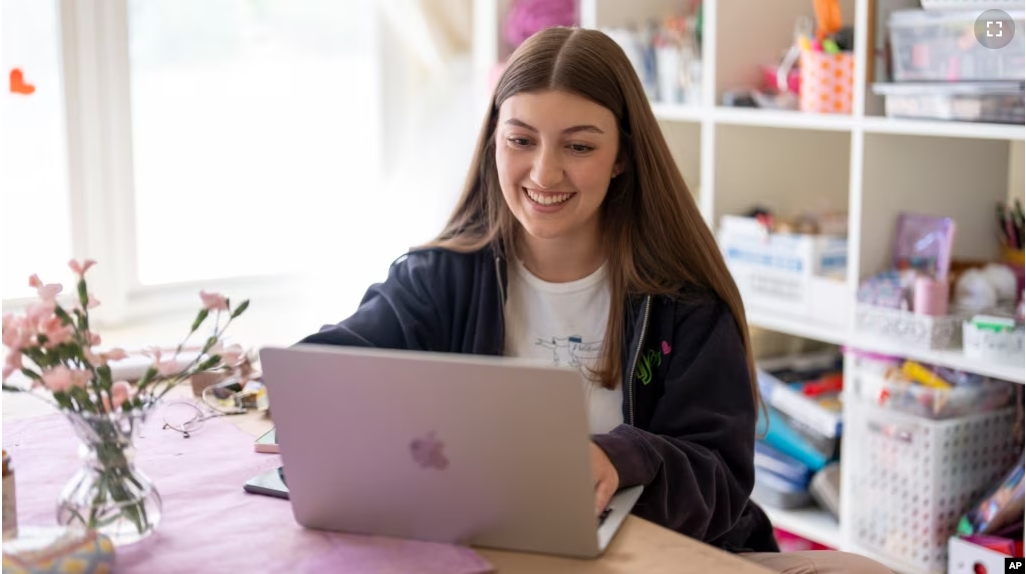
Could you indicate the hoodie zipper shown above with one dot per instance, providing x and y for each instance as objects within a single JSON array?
[
  {"x": 502, "y": 303},
  {"x": 634, "y": 365}
]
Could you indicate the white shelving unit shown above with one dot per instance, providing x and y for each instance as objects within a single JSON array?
[
  {"x": 811, "y": 523},
  {"x": 805, "y": 328},
  {"x": 869, "y": 165},
  {"x": 781, "y": 119}
]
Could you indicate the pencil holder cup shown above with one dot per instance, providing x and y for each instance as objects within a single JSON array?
[{"x": 826, "y": 82}]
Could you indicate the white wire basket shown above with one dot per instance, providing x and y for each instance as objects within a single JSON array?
[
  {"x": 909, "y": 329},
  {"x": 990, "y": 346},
  {"x": 914, "y": 477}
]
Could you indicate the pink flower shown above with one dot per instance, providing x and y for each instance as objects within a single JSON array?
[
  {"x": 115, "y": 354},
  {"x": 120, "y": 392},
  {"x": 94, "y": 359},
  {"x": 63, "y": 379},
  {"x": 55, "y": 331},
  {"x": 164, "y": 368},
  {"x": 17, "y": 333},
  {"x": 12, "y": 363},
  {"x": 80, "y": 377},
  {"x": 49, "y": 292},
  {"x": 167, "y": 368},
  {"x": 93, "y": 338},
  {"x": 214, "y": 301},
  {"x": 81, "y": 268},
  {"x": 37, "y": 312},
  {"x": 57, "y": 379},
  {"x": 231, "y": 355}
]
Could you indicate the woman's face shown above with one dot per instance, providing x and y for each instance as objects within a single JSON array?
[{"x": 556, "y": 153}]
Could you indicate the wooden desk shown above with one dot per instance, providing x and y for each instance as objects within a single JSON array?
[{"x": 640, "y": 546}]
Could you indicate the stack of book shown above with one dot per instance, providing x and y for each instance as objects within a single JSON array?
[{"x": 800, "y": 429}]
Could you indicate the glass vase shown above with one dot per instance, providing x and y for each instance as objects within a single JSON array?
[{"x": 108, "y": 493}]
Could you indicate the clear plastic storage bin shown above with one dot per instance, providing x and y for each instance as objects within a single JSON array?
[
  {"x": 919, "y": 400},
  {"x": 942, "y": 47},
  {"x": 970, "y": 4},
  {"x": 914, "y": 477},
  {"x": 995, "y": 102}
]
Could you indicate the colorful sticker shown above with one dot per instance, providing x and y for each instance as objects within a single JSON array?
[{"x": 19, "y": 85}]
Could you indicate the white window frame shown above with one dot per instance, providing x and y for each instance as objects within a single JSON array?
[{"x": 95, "y": 70}]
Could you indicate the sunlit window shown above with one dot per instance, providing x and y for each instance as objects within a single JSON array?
[
  {"x": 35, "y": 231},
  {"x": 253, "y": 132}
]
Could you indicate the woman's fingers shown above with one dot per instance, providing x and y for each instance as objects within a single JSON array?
[
  {"x": 606, "y": 478},
  {"x": 604, "y": 490}
]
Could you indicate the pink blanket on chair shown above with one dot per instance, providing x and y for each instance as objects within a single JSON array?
[{"x": 209, "y": 524}]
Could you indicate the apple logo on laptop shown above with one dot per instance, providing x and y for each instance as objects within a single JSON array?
[{"x": 428, "y": 452}]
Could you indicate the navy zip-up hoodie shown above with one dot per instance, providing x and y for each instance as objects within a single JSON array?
[{"x": 689, "y": 416}]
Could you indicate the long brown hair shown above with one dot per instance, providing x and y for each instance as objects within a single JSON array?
[{"x": 656, "y": 240}]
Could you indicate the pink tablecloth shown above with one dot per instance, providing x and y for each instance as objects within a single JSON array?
[{"x": 209, "y": 523}]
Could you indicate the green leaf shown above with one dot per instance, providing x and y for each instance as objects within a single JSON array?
[
  {"x": 83, "y": 319},
  {"x": 200, "y": 317},
  {"x": 12, "y": 389},
  {"x": 32, "y": 375},
  {"x": 147, "y": 376},
  {"x": 63, "y": 400},
  {"x": 105, "y": 377},
  {"x": 83, "y": 293},
  {"x": 37, "y": 357},
  {"x": 66, "y": 351},
  {"x": 62, "y": 315},
  {"x": 241, "y": 309},
  {"x": 211, "y": 341},
  {"x": 80, "y": 395},
  {"x": 211, "y": 361}
]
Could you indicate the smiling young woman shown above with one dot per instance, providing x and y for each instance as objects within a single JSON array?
[
  {"x": 576, "y": 240},
  {"x": 555, "y": 177}
]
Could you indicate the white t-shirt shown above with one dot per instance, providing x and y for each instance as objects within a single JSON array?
[{"x": 566, "y": 324}]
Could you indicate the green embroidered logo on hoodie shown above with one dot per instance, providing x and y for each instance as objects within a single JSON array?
[{"x": 650, "y": 360}]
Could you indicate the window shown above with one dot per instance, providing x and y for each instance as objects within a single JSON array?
[
  {"x": 253, "y": 131},
  {"x": 36, "y": 231},
  {"x": 234, "y": 144}
]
